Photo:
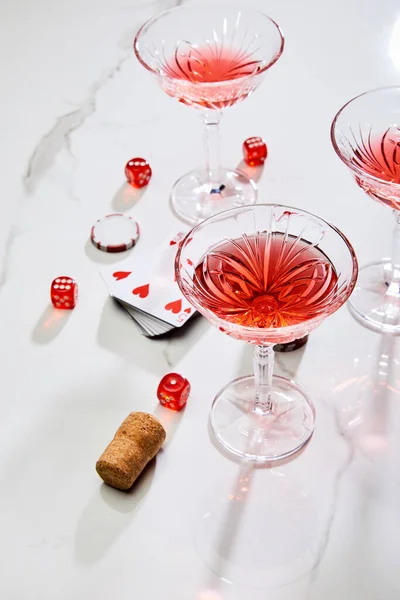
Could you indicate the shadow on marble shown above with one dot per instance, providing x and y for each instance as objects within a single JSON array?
[
  {"x": 253, "y": 173},
  {"x": 178, "y": 341},
  {"x": 245, "y": 365},
  {"x": 367, "y": 401},
  {"x": 99, "y": 527},
  {"x": 170, "y": 420},
  {"x": 50, "y": 324},
  {"x": 126, "y": 197},
  {"x": 286, "y": 363},
  {"x": 118, "y": 334},
  {"x": 262, "y": 530},
  {"x": 105, "y": 258}
]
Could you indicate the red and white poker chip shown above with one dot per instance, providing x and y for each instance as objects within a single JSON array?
[{"x": 115, "y": 233}]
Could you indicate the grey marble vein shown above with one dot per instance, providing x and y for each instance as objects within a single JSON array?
[
  {"x": 12, "y": 235},
  {"x": 335, "y": 498},
  {"x": 58, "y": 137},
  {"x": 166, "y": 353}
]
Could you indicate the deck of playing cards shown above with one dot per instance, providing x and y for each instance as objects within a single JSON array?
[{"x": 145, "y": 286}]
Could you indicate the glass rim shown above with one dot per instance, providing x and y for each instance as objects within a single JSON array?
[
  {"x": 257, "y": 331},
  {"x": 147, "y": 24},
  {"x": 335, "y": 145}
]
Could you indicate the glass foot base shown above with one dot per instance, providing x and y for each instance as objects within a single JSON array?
[
  {"x": 373, "y": 302},
  {"x": 193, "y": 200},
  {"x": 262, "y": 438}
]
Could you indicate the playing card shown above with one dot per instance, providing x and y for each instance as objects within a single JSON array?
[
  {"x": 147, "y": 324},
  {"x": 138, "y": 325},
  {"x": 146, "y": 283},
  {"x": 160, "y": 260}
]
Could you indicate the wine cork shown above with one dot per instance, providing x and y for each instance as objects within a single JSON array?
[{"x": 136, "y": 442}]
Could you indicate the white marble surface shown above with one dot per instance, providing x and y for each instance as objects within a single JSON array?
[{"x": 75, "y": 105}]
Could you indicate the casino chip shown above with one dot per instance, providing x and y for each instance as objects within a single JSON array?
[{"x": 115, "y": 233}]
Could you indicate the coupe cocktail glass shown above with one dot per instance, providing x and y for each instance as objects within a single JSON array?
[
  {"x": 265, "y": 274},
  {"x": 209, "y": 57},
  {"x": 366, "y": 136}
]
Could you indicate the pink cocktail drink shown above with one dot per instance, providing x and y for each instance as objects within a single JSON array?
[{"x": 266, "y": 281}]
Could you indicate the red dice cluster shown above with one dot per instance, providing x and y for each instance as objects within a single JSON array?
[
  {"x": 173, "y": 391},
  {"x": 64, "y": 292},
  {"x": 138, "y": 172},
  {"x": 255, "y": 151}
]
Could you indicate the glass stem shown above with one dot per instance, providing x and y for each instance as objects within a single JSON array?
[
  {"x": 263, "y": 364},
  {"x": 211, "y": 119},
  {"x": 394, "y": 283}
]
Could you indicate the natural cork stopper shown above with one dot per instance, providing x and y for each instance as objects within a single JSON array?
[{"x": 136, "y": 442}]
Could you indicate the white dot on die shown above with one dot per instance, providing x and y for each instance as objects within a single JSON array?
[
  {"x": 62, "y": 287},
  {"x": 57, "y": 297},
  {"x": 57, "y": 304},
  {"x": 69, "y": 280},
  {"x": 67, "y": 304},
  {"x": 56, "y": 287},
  {"x": 65, "y": 297},
  {"x": 63, "y": 280},
  {"x": 67, "y": 287},
  {"x": 62, "y": 300},
  {"x": 57, "y": 281}
]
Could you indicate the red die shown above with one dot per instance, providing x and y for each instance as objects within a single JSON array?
[
  {"x": 138, "y": 172},
  {"x": 64, "y": 292},
  {"x": 173, "y": 391},
  {"x": 255, "y": 151}
]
